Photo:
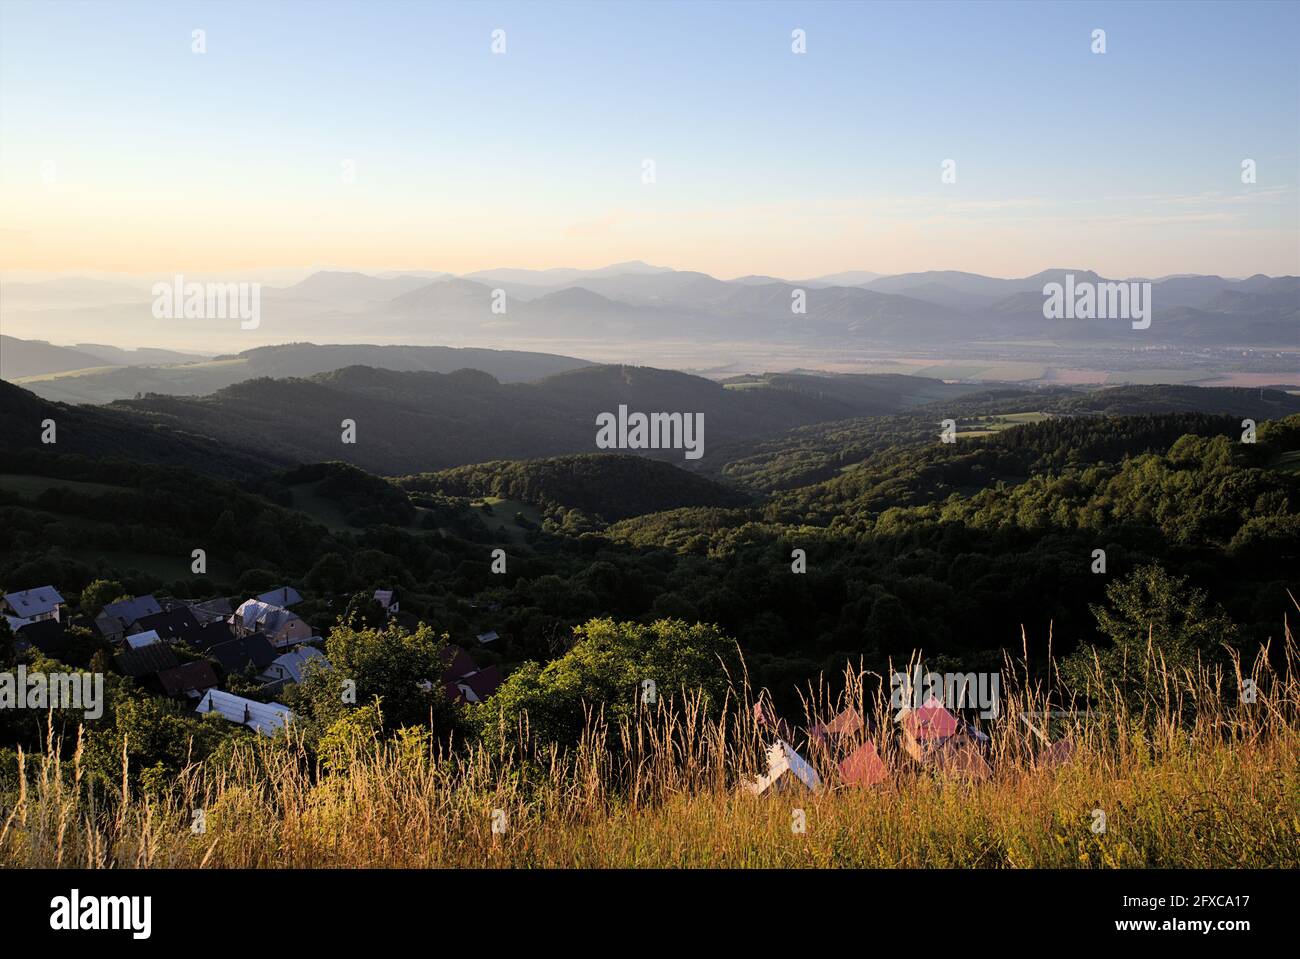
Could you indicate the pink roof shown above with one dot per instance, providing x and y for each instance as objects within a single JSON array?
[
  {"x": 929, "y": 722},
  {"x": 863, "y": 767}
]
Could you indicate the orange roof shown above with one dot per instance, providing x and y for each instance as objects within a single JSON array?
[{"x": 863, "y": 766}]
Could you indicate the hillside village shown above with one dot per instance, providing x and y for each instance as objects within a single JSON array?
[{"x": 193, "y": 651}]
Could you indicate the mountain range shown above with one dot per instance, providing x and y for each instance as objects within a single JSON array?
[{"x": 632, "y": 303}]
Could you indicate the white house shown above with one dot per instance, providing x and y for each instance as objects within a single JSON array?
[
  {"x": 36, "y": 604},
  {"x": 281, "y": 627}
]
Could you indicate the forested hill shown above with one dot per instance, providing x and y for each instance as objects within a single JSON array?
[
  {"x": 120, "y": 433},
  {"x": 606, "y": 487},
  {"x": 818, "y": 452},
  {"x": 408, "y": 422}
]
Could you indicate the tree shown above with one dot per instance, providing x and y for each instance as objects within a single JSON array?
[
  {"x": 1151, "y": 608},
  {"x": 99, "y": 593},
  {"x": 399, "y": 669},
  {"x": 608, "y": 668},
  {"x": 364, "y": 612},
  {"x": 329, "y": 575}
]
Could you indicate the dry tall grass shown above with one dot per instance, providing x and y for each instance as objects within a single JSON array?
[{"x": 1187, "y": 777}]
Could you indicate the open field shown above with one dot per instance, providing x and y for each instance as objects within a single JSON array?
[
  {"x": 29, "y": 487},
  {"x": 501, "y": 518}
]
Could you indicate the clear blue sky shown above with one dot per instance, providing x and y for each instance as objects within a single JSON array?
[{"x": 766, "y": 161}]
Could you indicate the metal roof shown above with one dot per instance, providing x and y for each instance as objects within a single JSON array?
[
  {"x": 35, "y": 601},
  {"x": 263, "y": 718}
]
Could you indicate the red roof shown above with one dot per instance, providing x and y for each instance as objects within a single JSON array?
[
  {"x": 863, "y": 766},
  {"x": 929, "y": 722},
  {"x": 457, "y": 663},
  {"x": 484, "y": 682}
]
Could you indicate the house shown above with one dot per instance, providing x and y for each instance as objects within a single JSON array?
[
  {"x": 190, "y": 680},
  {"x": 473, "y": 687},
  {"x": 36, "y": 604},
  {"x": 265, "y": 719},
  {"x": 458, "y": 663},
  {"x": 462, "y": 680},
  {"x": 237, "y": 655},
  {"x": 145, "y": 661},
  {"x": 482, "y": 683},
  {"x": 786, "y": 770},
  {"x": 212, "y": 610},
  {"x": 489, "y": 637},
  {"x": 925, "y": 727},
  {"x": 289, "y": 667},
  {"x": 863, "y": 766},
  {"x": 936, "y": 738},
  {"x": 48, "y": 635},
  {"x": 283, "y": 596},
  {"x": 387, "y": 598},
  {"x": 960, "y": 756},
  {"x": 210, "y": 634},
  {"x": 114, "y": 619},
  {"x": 280, "y": 626},
  {"x": 844, "y": 726},
  {"x": 173, "y": 625}
]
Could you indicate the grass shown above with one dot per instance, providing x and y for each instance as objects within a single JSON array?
[
  {"x": 503, "y": 515},
  {"x": 989, "y": 425},
  {"x": 1186, "y": 774},
  {"x": 29, "y": 487}
]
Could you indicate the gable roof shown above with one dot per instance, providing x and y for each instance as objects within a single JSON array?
[
  {"x": 171, "y": 624},
  {"x": 255, "y": 614},
  {"x": 930, "y": 722},
  {"x": 145, "y": 661},
  {"x": 489, "y": 637},
  {"x": 195, "y": 677},
  {"x": 48, "y": 635},
  {"x": 127, "y": 611},
  {"x": 458, "y": 663},
  {"x": 210, "y": 634},
  {"x": 384, "y": 597},
  {"x": 484, "y": 682},
  {"x": 785, "y": 766},
  {"x": 212, "y": 609},
  {"x": 290, "y": 665},
  {"x": 263, "y": 718},
  {"x": 863, "y": 766},
  {"x": 236, "y": 655},
  {"x": 283, "y": 596},
  {"x": 36, "y": 601},
  {"x": 846, "y": 723}
]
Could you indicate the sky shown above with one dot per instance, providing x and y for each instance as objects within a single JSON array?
[{"x": 391, "y": 136}]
